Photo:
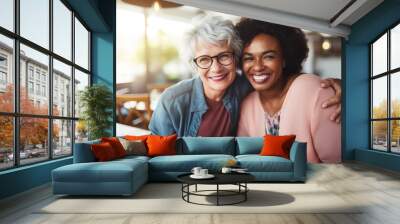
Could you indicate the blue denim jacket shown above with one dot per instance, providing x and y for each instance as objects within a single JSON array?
[{"x": 181, "y": 107}]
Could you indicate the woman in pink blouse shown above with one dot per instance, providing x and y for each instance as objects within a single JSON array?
[{"x": 285, "y": 101}]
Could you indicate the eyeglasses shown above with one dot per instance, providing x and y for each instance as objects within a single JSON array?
[{"x": 205, "y": 61}]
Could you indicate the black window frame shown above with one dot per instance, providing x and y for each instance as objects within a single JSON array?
[
  {"x": 16, "y": 115},
  {"x": 388, "y": 74}
]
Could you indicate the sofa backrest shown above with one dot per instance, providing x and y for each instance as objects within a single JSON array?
[
  {"x": 249, "y": 145},
  {"x": 206, "y": 145},
  {"x": 83, "y": 152}
]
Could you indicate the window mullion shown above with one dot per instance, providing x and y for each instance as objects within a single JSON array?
[
  {"x": 389, "y": 106},
  {"x": 73, "y": 82},
  {"x": 16, "y": 84},
  {"x": 50, "y": 81}
]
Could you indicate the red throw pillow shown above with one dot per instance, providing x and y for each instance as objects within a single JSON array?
[
  {"x": 116, "y": 145},
  {"x": 103, "y": 151},
  {"x": 277, "y": 145},
  {"x": 161, "y": 145}
]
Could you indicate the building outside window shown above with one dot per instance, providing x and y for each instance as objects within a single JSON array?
[{"x": 385, "y": 91}]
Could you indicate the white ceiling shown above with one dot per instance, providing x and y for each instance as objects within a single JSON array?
[
  {"x": 320, "y": 9},
  {"x": 313, "y": 15}
]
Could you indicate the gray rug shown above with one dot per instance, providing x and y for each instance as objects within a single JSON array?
[{"x": 166, "y": 198}]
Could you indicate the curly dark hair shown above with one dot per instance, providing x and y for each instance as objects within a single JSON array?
[{"x": 292, "y": 41}]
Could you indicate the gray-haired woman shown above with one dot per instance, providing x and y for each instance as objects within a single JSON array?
[{"x": 209, "y": 104}]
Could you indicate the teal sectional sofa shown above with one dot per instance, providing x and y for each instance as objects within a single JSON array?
[{"x": 125, "y": 176}]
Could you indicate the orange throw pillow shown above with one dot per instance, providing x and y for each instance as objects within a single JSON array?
[
  {"x": 277, "y": 145},
  {"x": 161, "y": 145},
  {"x": 135, "y": 138},
  {"x": 116, "y": 145},
  {"x": 103, "y": 151}
]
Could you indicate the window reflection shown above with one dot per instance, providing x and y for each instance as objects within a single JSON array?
[
  {"x": 6, "y": 142},
  {"x": 33, "y": 61},
  {"x": 81, "y": 81},
  {"x": 6, "y": 74},
  {"x": 395, "y": 47},
  {"x": 7, "y": 14},
  {"x": 34, "y": 21},
  {"x": 81, "y": 45},
  {"x": 379, "y": 97},
  {"x": 379, "y": 56},
  {"x": 62, "y": 29},
  {"x": 379, "y": 135},
  {"x": 62, "y": 141},
  {"x": 33, "y": 140}
]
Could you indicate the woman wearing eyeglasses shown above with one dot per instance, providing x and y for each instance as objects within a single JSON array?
[{"x": 209, "y": 104}]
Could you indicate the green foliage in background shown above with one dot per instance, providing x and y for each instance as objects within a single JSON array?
[{"x": 96, "y": 105}]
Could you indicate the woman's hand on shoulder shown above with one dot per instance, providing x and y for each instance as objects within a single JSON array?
[{"x": 335, "y": 100}]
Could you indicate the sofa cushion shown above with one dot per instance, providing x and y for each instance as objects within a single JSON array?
[
  {"x": 111, "y": 171},
  {"x": 103, "y": 151},
  {"x": 257, "y": 163},
  {"x": 207, "y": 145},
  {"x": 249, "y": 145},
  {"x": 185, "y": 163}
]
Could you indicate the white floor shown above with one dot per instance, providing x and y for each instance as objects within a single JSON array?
[{"x": 377, "y": 189}]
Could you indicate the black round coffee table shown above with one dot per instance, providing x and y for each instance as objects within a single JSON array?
[{"x": 238, "y": 179}]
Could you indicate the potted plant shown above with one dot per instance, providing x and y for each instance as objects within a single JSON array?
[{"x": 96, "y": 105}]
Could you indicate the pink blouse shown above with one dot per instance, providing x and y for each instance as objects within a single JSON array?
[{"x": 302, "y": 115}]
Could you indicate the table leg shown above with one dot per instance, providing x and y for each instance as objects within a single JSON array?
[
  {"x": 245, "y": 191},
  {"x": 217, "y": 194},
  {"x": 196, "y": 188}
]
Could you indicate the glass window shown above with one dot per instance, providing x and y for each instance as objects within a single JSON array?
[
  {"x": 395, "y": 136},
  {"x": 379, "y": 135},
  {"x": 30, "y": 87},
  {"x": 34, "y": 80},
  {"x": 395, "y": 95},
  {"x": 62, "y": 72},
  {"x": 43, "y": 90},
  {"x": 395, "y": 47},
  {"x": 40, "y": 62},
  {"x": 6, "y": 142},
  {"x": 379, "y": 55},
  {"x": 81, "y": 131},
  {"x": 34, "y": 21},
  {"x": 379, "y": 98},
  {"x": 30, "y": 72},
  {"x": 7, "y": 14},
  {"x": 33, "y": 140},
  {"x": 385, "y": 125},
  {"x": 81, "y": 81},
  {"x": 7, "y": 74},
  {"x": 3, "y": 61},
  {"x": 62, "y": 29},
  {"x": 81, "y": 45},
  {"x": 37, "y": 89},
  {"x": 62, "y": 137}
]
